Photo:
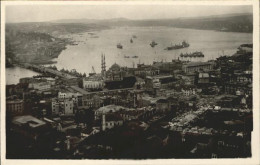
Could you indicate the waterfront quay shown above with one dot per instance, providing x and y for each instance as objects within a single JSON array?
[{"x": 174, "y": 109}]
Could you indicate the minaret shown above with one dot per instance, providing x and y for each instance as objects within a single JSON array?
[
  {"x": 103, "y": 122},
  {"x": 103, "y": 65}
]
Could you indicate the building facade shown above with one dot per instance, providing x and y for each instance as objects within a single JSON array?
[
  {"x": 197, "y": 66},
  {"x": 94, "y": 82},
  {"x": 15, "y": 107},
  {"x": 62, "y": 106}
]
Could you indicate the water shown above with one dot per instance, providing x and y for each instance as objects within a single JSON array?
[
  {"x": 88, "y": 52},
  {"x": 14, "y": 74}
]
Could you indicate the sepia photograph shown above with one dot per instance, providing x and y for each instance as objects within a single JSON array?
[{"x": 128, "y": 81}]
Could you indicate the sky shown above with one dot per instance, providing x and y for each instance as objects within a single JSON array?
[{"x": 42, "y": 13}]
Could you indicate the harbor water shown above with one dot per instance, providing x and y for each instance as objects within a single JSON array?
[{"x": 90, "y": 45}]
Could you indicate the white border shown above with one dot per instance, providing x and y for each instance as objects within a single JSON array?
[{"x": 256, "y": 115}]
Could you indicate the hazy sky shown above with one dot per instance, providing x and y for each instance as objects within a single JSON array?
[{"x": 38, "y": 13}]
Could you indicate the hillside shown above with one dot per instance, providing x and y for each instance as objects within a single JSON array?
[
  {"x": 54, "y": 29},
  {"x": 241, "y": 23},
  {"x": 32, "y": 47},
  {"x": 229, "y": 22},
  {"x": 40, "y": 42}
]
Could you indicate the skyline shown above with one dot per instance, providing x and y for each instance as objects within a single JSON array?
[{"x": 48, "y": 13}]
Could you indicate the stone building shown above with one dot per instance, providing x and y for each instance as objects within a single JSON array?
[
  {"x": 62, "y": 106},
  {"x": 94, "y": 82},
  {"x": 197, "y": 66}
]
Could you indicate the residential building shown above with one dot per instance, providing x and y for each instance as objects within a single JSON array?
[
  {"x": 130, "y": 114},
  {"x": 146, "y": 70},
  {"x": 55, "y": 106},
  {"x": 110, "y": 121},
  {"x": 163, "y": 105},
  {"x": 152, "y": 82},
  {"x": 92, "y": 100},
  {"x": 15, "y": 107},
  {"x": 62, "y": 106},
  {"x": 204, "y": 78},
  {"x": 108, "y": 109},
  {"x": 189, "y": 90},
  {"x": 69, "y": 95}
]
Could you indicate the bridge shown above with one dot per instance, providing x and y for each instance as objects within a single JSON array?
[{"x": 43, "y": 69}]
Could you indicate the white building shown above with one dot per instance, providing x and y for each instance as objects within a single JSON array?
[
  {"x": 41, "y": 86},
  {"x": 189, "y": 90},
  {"x": 93, "y": 82},
  {"x": 68, "y": 106},
  {"x": 70, "y": 95}
]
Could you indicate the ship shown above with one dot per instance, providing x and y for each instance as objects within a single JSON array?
[
  {"x": 194, "y": 54},
  {"x": 153, "y": 44},
  {"x": 90, "y": 33},
  {"x": 119, "y": 46},
  {"x": 184, "y": 44},
  {"x": 94, "y": 36}
]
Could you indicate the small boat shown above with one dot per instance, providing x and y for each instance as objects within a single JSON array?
[
  {"x": 153, "y": 44},
  {"x": 134, "y": 36},
  {"x": 126, "y": 56},
  {"x": 134, "y": 56},
  {"x": 131, "y": 40},
  {"x": 119, "y": 46}
]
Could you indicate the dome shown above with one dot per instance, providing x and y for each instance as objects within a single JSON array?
[{"x": 115, "y": 66}]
